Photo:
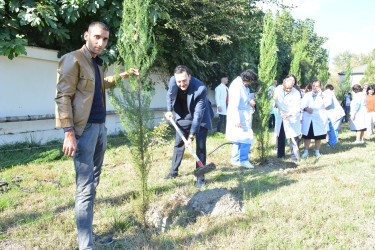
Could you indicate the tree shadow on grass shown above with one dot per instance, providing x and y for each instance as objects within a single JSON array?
[{"x": 26, "y": 153}]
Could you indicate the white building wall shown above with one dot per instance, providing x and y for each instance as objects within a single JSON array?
[{"x": 27, "y": 92}]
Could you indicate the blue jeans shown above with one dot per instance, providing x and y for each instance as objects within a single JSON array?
[
  {"x": 333, "y": 132},
  {"x": 240, "y": 152},
  {"x": 88, "y": 160}
]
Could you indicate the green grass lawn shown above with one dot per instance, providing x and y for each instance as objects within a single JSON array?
[{"x": 317, "y": 204}]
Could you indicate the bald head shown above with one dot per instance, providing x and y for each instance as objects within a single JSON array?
[{"x": 288, "y": 84}]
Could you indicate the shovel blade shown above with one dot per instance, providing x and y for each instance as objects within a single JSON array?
[{"x": 206, "y": 169}]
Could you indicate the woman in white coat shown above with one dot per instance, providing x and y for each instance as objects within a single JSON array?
[
  {"x": 335, "y": 114},
  {"x": 314, "y": 119},
  {"x": 358, "y": 112},
  {"x": 288, "y": 122},
  {"x": 239, "y": 118}
]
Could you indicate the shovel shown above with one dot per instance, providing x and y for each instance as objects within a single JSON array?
[{"x": 203, "y": 169}]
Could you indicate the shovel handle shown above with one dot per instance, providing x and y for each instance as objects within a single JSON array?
[{"x": 186, "y": 142}]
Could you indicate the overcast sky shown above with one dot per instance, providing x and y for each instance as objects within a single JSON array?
[{"x": 348, "y": 24}]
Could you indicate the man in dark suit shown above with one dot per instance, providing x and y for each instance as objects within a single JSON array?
[{"x": 187, "y": 97}]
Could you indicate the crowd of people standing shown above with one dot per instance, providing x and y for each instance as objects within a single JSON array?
[{"x": 311, "y": 113}]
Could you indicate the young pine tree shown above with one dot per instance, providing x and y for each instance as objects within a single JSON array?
[
  {"x": 345, "y": 84},
  {"x": 298, "y": 55},
  {"x": 267, "y": 70},
  {"x": 137, "y": 49}
]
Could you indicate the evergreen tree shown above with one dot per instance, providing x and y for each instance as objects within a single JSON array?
[
  {"x": 267, "y": 70},
  {"x": 137, "y": 49},
  {"x": 298, "y": 55},
  {"x": 345, "y": 84}
]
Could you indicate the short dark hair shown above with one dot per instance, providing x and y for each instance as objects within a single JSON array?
[
  {"x": 370, "y": 87},
  {"x": 249, "y": 76},
  {"x": 223, "y": 76},
  {"x": 180, "y": 69},
  {"x": 329, "y": 86},
  {"x": 320, "y": 83},
  {"x": 356, "y": 88},
  {"x": 100, "y": 24}
]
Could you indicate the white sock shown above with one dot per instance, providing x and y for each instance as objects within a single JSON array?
[
  {"x": 316, "y": 151},
  {"x": 306, "y": 151}
]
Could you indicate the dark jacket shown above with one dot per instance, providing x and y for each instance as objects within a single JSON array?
[{"x": 199, "y": 105}]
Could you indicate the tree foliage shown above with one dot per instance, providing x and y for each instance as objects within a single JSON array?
[
  {"x": 345, "y": 84},
  {"x": 369, "y": 74},
  {"x": 267, "y": 70},
  {"x": 314, "y": 64},
  {"x": 299, "y": 54},
  {"x": 137, "y": 49},
  {"x": 210, "y": 37}
]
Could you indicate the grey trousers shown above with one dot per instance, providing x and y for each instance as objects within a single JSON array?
[{"x": 88, "y": 160}]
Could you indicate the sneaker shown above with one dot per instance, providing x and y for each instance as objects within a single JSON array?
[
  {"x": 103, "y": 240},
  {"x": 357, "y": 142},
  {"x": 235, "y": 163},
  {"x": 171, "y": 176},
  {"x": 246, "y": 164},
  {"x": 305, "y": 154},
  {"x": 317, "y": 154},
  {"x": 361, "y": 141}
]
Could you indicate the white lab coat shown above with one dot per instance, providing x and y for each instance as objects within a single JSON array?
[
  {"x": 334, "y": 110},
  {"x": 359, "y": 121},
  {"x": 221, "y": 98},
  {"x": 318, "y": 117},
  {"x": 288, "y": 103},
  {"x": 239, "y": 110}
]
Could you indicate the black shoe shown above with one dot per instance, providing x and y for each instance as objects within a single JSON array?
[
  {"x": 103, "y": 240},
  {"x": 171, "y": 176}
]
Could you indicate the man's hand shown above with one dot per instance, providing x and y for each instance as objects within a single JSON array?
[
  {"x": 284, "y": 116},
  {"x": 189, "y": 143},
  {"x": 169, "y": 115},
  {"x": 309, "y": 110},
  {"x": 70, "y": 143},
  {"x": 219, "y": 108},
  {"x": 237, "y": 125},
  {"x": 252, "y": 103},
  {"x": 130, "y": 71}
]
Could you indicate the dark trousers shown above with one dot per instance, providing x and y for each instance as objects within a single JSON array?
[
  {"x": 347, "y": 113},
  {"x": 271, "y": 122},
  {"x": 294, "y": 145},
  {"x": 179, "y": 147},
  {"x": 222, "y": 119}
]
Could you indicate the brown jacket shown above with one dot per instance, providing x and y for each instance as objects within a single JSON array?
[{"x": 75, "y": 89}]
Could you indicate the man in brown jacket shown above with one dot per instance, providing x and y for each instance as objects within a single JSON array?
[{"x": 81, "y": 112}]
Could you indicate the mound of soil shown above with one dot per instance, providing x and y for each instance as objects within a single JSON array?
[
  {"x": 215, "y": 202},
  {"x": 182, "y": 208}
]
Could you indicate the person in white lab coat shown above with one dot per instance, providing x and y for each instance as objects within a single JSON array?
[
  {"x": 314, "y": 119},
  {"x": 288, "y": 123},
  {"x": 358, "y": 112},
  {"x": 335, "y": 114},
  {"x": 222, "y": 98},
  {"x": 239, "y": 118}
]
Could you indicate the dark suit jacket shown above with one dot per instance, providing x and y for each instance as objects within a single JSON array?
[{"x": 197, "y": 101}]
